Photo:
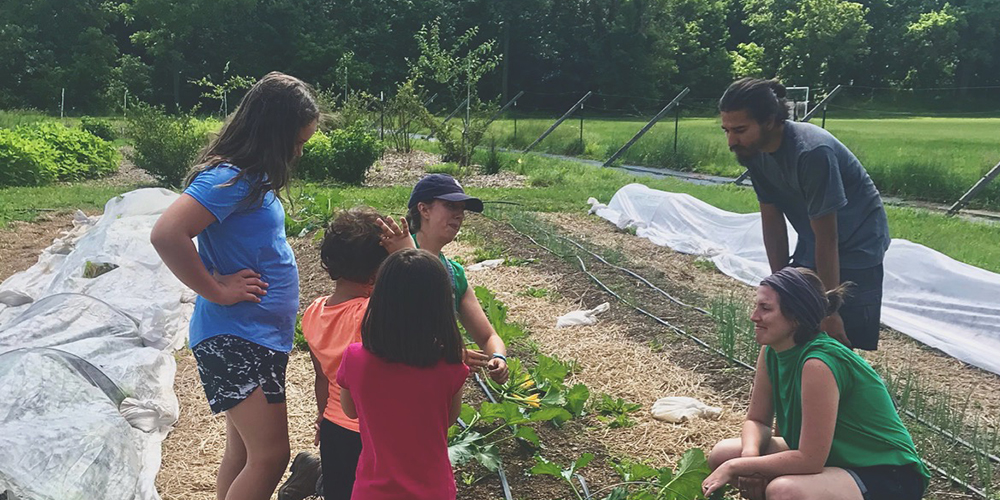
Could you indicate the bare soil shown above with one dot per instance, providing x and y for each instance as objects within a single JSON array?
[{"x": 22, "y": 242}]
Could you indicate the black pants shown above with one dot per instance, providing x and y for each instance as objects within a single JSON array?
[
  {"x": 888, "y": 482},
  {"x": 862, "y": 311},
  {"x": 339, "y": 450}
]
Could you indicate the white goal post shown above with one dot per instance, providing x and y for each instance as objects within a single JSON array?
[{"x": 798, "y": 101}]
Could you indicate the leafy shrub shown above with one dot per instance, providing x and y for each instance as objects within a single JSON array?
[
  {"x": 23, "y": 161},
  {"x": 100, "y": 127},
  {"x": 494, "y": 162},
  {"x": 37, "y": 154},
  {"x": 344, "y": 155},
  {"x": 77, "y": 154},
  {"x": 166, "y": 146}
]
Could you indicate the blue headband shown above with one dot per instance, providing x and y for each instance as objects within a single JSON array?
[{"x": 799, "y": 299}]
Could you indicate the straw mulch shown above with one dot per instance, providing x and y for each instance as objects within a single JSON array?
[
  {"x": 193, "y": 451},
  {"x": 612, "y": 362},
  {"x": 934, "y": 369},
  {"x": 402, "y": 169}
]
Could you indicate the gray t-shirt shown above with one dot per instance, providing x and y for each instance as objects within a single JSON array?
[{"x": 813, "y": 174}]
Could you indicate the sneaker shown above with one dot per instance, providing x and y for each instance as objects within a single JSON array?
[{"x": 301, "y": 483}]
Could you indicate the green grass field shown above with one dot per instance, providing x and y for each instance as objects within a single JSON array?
[{"x": 932, "y": 159}]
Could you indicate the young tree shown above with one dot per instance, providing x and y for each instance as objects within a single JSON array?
[{"x": 458, "y": 69}]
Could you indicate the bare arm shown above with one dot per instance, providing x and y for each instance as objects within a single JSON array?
[
  {"x": 471, "y": 314},
  {"x": 827, "y": 250},
  {"x": 347, "y": 403},
  {"x": 820, "y": 399},
  {"x": 756, "y": 432},
  {"x": 322, "y": 388},
  {"x": 171, "y": 237},
  {"x": 775, "y": 236},
  {"x": 828, "y": 269}
]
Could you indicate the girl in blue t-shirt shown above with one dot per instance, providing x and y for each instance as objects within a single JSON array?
[{"x": 244, "y": 273}]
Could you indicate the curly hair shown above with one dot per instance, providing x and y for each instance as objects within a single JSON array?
[{"x": 350, "y": 248}]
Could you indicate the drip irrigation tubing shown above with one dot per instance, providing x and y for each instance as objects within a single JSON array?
[
  {"x": 704, "y": 344},
  {"x": 948, "y": 434},
  {"x": 503, "y": 475}
]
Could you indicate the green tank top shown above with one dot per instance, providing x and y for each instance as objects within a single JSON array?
[{"x": 868, "y": 430}]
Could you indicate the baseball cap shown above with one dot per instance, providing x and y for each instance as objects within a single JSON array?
[{"x": 442, "y": 187}]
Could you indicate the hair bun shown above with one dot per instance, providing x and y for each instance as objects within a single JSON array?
[{"x": 778, "y": 89}]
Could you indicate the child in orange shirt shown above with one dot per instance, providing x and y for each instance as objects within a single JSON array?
[{"x": 353, "y": 248}]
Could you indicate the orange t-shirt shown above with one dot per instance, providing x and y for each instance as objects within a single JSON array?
[{"x": 329, "y": 330}]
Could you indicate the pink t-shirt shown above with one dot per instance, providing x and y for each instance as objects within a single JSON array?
[{"x": 403, "y": 414}]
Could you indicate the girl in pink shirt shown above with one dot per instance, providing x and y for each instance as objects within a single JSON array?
[{"x": 404, "y": 382}]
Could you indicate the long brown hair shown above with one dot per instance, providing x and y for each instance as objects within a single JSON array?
[
  {"x": 411, "y": 314},
  {"x": 260, "y": 136}
]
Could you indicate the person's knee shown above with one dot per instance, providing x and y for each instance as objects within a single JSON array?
[
  {"x": 784, "y": 488},
  {"x": 271, "y": 459},
  {"x": 723, "y": 451}
]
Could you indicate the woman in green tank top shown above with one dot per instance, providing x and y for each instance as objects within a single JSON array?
[
  {"x": 436, "y": 211},
  {"x": 840, "y": 436}
]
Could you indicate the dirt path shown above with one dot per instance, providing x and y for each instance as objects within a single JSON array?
[{"x": 22, "y": 242}]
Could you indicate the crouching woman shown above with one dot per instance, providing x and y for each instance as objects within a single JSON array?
[{"x": 841, "y": 438}]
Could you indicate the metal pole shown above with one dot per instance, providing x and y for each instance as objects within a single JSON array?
[
  {"x": 648, "y": 126},
  {"x": 512, "y": 102},
  {"x": 452, "y": 115},
  {"x": 125, "y": 104},
  {"x": 822, "y": 104},
  {"x": 964, "y": 200},
  {"x": 823, "y": 124},
  {"x": 62, "y": 103},
  {"x": 429, "y": 101},
  {"x": 559, "y": 121},
  {"x": 581, "y": 128},
  {"x": 677, "y": 123},
  {"x": 381, "y": 118}
]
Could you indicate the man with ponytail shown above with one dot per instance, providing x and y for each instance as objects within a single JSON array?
[{"x": 803, "y": 173}]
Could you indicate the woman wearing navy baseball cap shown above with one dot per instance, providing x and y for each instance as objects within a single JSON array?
[{"x": 436, "y": 211}]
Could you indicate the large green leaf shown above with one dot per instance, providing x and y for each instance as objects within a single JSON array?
[
  {"x": 528, "y": 434},
  {"x": 489, "y": 457},
  {"x": 635, "y": 471},
  {"x": 581, "y": 462},
  {"x": 469, "y": 415},
  {"x": 576, "y": 398},
  {"x": 691, "y": 471},
  {"x": 543, "y": 466},
  {"x": 507, "y": 411},
  {"x": 463, "y": 450},
  {"x": 553, "y": 397},
  {"x": 550, "y": 370},
  {"x": 550, "y": 413}
]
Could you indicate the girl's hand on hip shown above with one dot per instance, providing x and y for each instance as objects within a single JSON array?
[
  {"x": 395, "y": 237},
  {"x": 241, "y": 286}
]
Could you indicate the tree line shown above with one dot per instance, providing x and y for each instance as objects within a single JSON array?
[{"x": 99, "y": 50}]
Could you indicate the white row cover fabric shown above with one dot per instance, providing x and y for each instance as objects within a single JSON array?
[
  {"x": 927, "y": 295},
  {"x": 86, "y": 363}
]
